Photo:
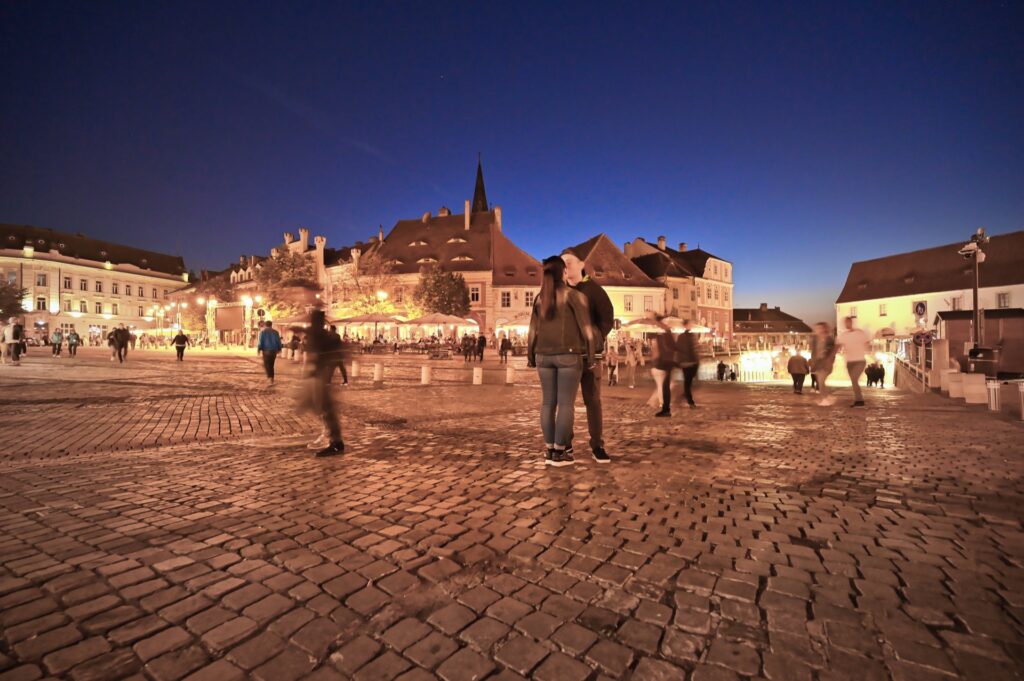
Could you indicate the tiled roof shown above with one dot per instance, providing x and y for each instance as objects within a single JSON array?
[
  {"x": 43, "y": 239},
  {"x": 936, "y": 269},
  {"x": 761, "y": 319},
  {"x": 608, "y": 265},
  {"x": 995, "y": 313},
  {"x": 661, "y": 264},
  {"x": 443, "y": 241},
  {"x": 689, "y": 263}
]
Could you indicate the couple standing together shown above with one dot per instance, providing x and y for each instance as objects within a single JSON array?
[{"x": 570, "y": 321}]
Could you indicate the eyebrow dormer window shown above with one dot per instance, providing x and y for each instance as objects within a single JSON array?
[
  {"x": 418, "y": 242},
  {"x": 456, "y": 240},
  {"x": 424, "y": 261},
  {"x": 461, "y": 258},
  {"x": 394, "y": 261}
]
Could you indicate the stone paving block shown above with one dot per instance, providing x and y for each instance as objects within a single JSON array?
[
  {"x": 317, "y": 637},
  {"x": 520, "y": 654},
  {"x": 484, "y": 633},
  {"x": 176, "y": 664},
  {"x": 355, "y": 654},
  {"x": 452, "y": 618},
  {"x": 561, "y": 667},
  {"x": 35, "y": 648},
  {"x": 465, "y": 665},
  {"x": 64, "y": 659},
  {"x": 163, "y": 642},
  {"x": 116, "y": 664},
  {"x": 288, "y": 665}
]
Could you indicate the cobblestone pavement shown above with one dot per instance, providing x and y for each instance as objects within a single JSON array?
[{"x": 759, "y": 536}]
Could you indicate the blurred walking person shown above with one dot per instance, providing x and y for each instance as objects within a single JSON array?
[
  {"x": 74, "y": 340},
  {"x": 688, "y": 359},
  {"x": 631, "y": 362},
  {"x": 268, "y": 346},
  {"x": 664, "y": 350},
  {"x": 562, "y": 341},
  {"x": 854, "y": 344},
  {"x": 798, "y": 369},
  {"x": 56, "y": 342},
  {"x": 119, "y": 343},
  {"x": 611, "y": 362},
  {"x": 341, "y": 355},
  {"x": 503, "y": 349},
  {"x": 481, "y": 345},
  {"x": 324, "y": 350},
  {"x": 823, "y": 356},
  {"x": 14, "y": 335},
  {"x": 180, "y": 342}
]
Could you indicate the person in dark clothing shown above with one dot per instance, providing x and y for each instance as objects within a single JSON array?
[
  {"x": 481, "y": 344},
  {"x": 269, "y": 345},
  {"x": 341, "y": 355},
  {"x": 119, "y": 339},
  {"x": 688, "y": 360},
  {"x": 467, "y": 347},
  {"x": 798, "y": 368},
  {"x": 721, "y": 370},
  {"x": 602, "y": 316},
  {"x": 664, "y": 364},
  {"x": 325, "y": 349},
  {"x": 503, "y": 349},
  {"x": 180, "y": 342}
]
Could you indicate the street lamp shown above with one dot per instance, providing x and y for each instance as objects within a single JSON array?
[{"x": 972, "y": 251}]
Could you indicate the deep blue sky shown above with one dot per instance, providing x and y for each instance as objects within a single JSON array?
[{"x": 790, "y": 138}]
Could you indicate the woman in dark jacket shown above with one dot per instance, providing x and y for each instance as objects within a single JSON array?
[{"x": 561, "y": 343}]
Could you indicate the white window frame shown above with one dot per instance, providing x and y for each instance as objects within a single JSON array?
[
  {"x": 627, "y": 303},
  {"x": 506, "y": 299},
  {"x": 474, "y": 294}
]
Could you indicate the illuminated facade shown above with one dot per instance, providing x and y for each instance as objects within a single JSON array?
[{"x": 93, "y": 285}]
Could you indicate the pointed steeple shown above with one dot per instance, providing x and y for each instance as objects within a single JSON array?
[{"x": 479, "y": 193}]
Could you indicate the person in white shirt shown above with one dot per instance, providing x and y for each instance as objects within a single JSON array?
[{"x": 854, "y": 344}]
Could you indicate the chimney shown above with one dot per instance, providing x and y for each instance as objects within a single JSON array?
[
  {"x": 241, "y": 260},
  {"x": 426, "y": 217},
  {"x": 682, "y": 246},
  {"x": 443, "y": 212},
  {"x": 627, "y": 248},
  {"x": 497, "y": 216},
  {"x": 661, "y": 243},
  {"x": 764, "y": 307},
  {"x": 303, "y": 239},
  {"x": 467, "y": 215},
  {"x": 380, "y": 234},
  {"x": 356, "y": 252}
]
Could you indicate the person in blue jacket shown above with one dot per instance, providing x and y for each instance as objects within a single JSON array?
[{"x": 269, "y": 345}]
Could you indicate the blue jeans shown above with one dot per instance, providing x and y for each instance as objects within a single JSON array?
[{"x": 559, "y": 382}]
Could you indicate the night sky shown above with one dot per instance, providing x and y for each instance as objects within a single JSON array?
[{"x": 789, "y": 138}]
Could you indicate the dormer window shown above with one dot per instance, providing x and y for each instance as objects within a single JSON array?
[
  {"x": 418, "y": 242},
  {"x": 909, "y": 279},
  {"x": 394, "y": 261},
  {"x": 461, "y": 258},
  {"x": 427, "y": 260},
  {"x": 627, "y": 275},
  {"x": 862, "y": 286},
  {"x": 598, "y": 272},
  {"x": 103, "y": 254},
  {"x": 456, "y": 240}
]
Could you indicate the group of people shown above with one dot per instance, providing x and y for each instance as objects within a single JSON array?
[
  {"x": 473, "y": 347},
  {"x": 853, "y": 343}
]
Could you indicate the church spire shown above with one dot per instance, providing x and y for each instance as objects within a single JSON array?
[{"x": 479, "y": 193}]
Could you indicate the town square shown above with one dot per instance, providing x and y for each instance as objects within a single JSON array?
[{"x": 568, "y": 342}]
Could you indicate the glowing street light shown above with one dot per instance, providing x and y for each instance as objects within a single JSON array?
[
  {"x": 259, "y": 299},
  {"x": 200, "y": 300},
  {"x": 382, "y": 296},
  {"x": 247, "y": 300}
]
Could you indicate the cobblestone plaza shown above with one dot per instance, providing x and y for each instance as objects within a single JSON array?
[{"x": 164, "y": 521}]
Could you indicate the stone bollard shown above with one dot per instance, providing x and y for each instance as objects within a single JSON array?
[
  {"x": 425, "y": 375},
  {"x": 355, "y": 369},
  {"x": 378, "y": 375},
  {"x": 478, "y": 376},
  {"x": 993, "y": 395},
  {"x": 1020, "y": 392},
  {"x": 510, "y": 375}
]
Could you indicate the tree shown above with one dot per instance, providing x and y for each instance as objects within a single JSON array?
[
  {"x": 359, "y": 290},
  {"x": 11, "y": 298},
  {"x": 217, "y": 288},
  {"x": 278, "y": 276},
  {"x": 444, "y": 292}
]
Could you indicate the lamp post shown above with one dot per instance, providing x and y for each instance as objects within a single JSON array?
[{"x": 972, "y": 251}]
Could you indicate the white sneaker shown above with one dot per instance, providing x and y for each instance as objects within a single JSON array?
[{"x": 319, "y": 443}]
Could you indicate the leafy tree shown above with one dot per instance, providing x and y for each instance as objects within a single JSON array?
[
  {"x": 11, "y": 297},
  {"x": 444, "y": 292},
  {"x": 219, "y": 288},
  {"x": 359, "y": 291},
  {"x": 278, "y": 276}
]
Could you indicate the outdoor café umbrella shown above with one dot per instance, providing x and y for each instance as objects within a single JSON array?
[
  {"x": 440, "y": 319},
  {"x": 374, "y": 318}
]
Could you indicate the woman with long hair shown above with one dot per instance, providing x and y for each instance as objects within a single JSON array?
[{"x": 562, "y": 341}]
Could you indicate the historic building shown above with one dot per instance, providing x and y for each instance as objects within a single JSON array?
[
  {"x": 502, "y": 279},
  {"x": 93, "y": 285},
  {"x": 899, "y": 294},
  {"x": 699, "y": 285},
  {"x": 764, "y": 328},
  {"x": 632, "y": 292}
]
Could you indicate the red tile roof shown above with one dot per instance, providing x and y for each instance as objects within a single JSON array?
[
  {"x": 935, "y": 269},
  {"x": 772, "y": 320},
  {"x": 608, "y": 265}
]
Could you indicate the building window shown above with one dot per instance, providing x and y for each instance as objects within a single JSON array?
[
  {"x": 675, "y": 294},
  {"x": 627, "y": 303},
  {"x": 648, "y": 303},
  {"x": 956, "y": 303},
  {"x": 725, "y": 297},
  {"x": 154, "y": 294},
  {"x": 40, "y": 279},
  {"x": 474, "y": 294},
  {"x": 165, "y": 293},
  {"x": 83, "y": 285},
  {"x": 41, "y": 303},
  {"x": 82, "y": 307},
  {"x": 67, "y": 306},
  {"x": 99, "y": 308},
  {"x": 114, "y": 288},
  {"x": 141, "y": 311},
  {"x": 882, "y": 310},
  {"x": 67, "y": 282},
  {"x": 113, "y": 309},
  {"x": 528, "y": 298},
  {"x": 12, "y": 278},
  {"x": 693, "y": 295},
  {"x": 716, "y": 293},
  {"x": 506, "y": 299},
  {"x": 853, "y": 310},
  {"x": 99, "y": 287},
  {"x": 1003, "y": 299},
  {"x": 399, "y": 295}
]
